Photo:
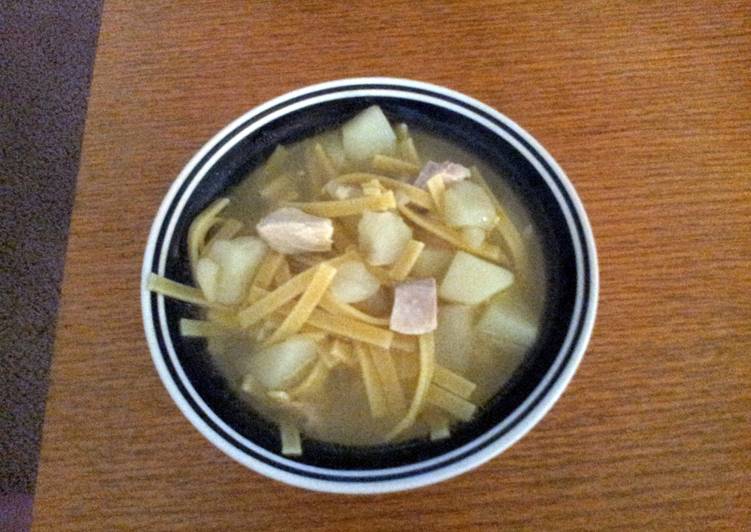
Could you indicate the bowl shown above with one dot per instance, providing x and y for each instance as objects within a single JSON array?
[{"x": 203, "y": 396}]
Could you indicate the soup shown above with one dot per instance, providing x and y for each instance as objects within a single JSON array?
[{"x": 357, "y": 292}]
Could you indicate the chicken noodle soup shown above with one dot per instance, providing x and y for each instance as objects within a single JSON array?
[{"x": 364, "y": 286}]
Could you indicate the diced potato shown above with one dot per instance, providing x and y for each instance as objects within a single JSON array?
[
  {"x": 453, "y": 337},
  {"x": 494, "y": 362},
  {"x": 367, "y": 134},
  {"x": 354, "y": 283},
  {"x": 276, "y": 161},
  {"x": 433, "y": 262},
  {"x": 332, "y": 145},
  {"x": 382, "y": 236},
  {"x": 471, "y": 280},
  {"x": 473, "y": 236},
  {"x": 467, "y": 204},
  {"x": 280, "y": 365},
  {"x": 238, "y": 260},
  {"x": 503, "y": 323},
  {"x": 207, "y": 276}
]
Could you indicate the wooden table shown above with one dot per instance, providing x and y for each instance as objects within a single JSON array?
[{"x": 647, "y": 107}]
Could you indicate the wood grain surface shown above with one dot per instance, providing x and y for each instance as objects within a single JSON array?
[{"x": 646, "y": 105}]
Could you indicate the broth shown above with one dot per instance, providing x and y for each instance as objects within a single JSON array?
[{"x": 370, "y": 359}]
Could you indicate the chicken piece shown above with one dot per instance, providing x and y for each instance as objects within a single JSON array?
[
  {"x": 451, "y": 173},
  {"x": 290, "y": 230},
  {"x": 415, "y": 309}
]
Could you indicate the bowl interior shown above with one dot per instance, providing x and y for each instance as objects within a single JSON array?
[{"x": 485, "y": 145}]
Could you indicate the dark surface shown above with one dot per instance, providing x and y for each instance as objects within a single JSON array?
[{"x": 46, "y": 59}]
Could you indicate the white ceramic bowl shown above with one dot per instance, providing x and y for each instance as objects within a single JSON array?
[{"x": 570, "y": 256}]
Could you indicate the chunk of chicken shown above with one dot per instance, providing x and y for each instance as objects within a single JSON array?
[
  {"x": 415, "y": 309},
  {"x": 289, "y": 230},
  {"x": 451, "y": 173}
]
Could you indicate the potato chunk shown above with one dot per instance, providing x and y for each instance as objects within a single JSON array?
[
  {"x": 467, "y": 204},
  {"x": 432, "y": 262},
  {"x": 282, "y": 364},
  {"x": 382, "y": 236},
  {"x": 367, "y": 134},
  {"x": 503, "y": 324},
  {"x": 471, "y": 280},
  {"x": 207, "y": 277},
  {"x": 453, "y": 337},
  {"x": 331, "y": 142},
  {"x": 354, "y": 283},
  {"x": 473, "y": 236},
  {"x": 238, "y": 260}
]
